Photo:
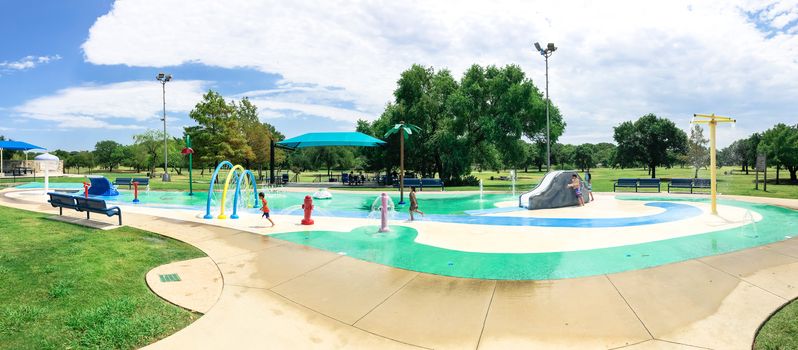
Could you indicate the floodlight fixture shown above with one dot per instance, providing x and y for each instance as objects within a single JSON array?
[
  {"x": 546, "y": 53},
  {"x": 537, "y": 46}
]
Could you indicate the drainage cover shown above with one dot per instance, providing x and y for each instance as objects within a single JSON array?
[{"x": 172, "y": 277}]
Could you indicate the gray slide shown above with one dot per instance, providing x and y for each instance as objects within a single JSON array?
[{"x": 553, "y": 192}]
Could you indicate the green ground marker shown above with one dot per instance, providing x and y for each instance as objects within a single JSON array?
[{"x": 172, "y": 277}]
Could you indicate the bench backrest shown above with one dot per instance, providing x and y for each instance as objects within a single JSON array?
[
  {"x": 431, "y": 182},
  {"x": 123, "y": 181},
  {"x": 644, "y": 182},
  {"x": 412, "y": 182},
  {"x": 142, "y": 180},
  {"x": 344, "y": 177},
  {"x": 682, "y": 182},
  {"x": 702, "y": 183},
  {"x": 92, "y": 203},
  {"x": 627, "y": 182},
  {"x": 61, "y": 199}
]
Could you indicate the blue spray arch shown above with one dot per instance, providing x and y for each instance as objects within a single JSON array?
[{"x": 238, "y": 191}]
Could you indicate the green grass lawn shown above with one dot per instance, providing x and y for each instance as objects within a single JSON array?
[
  {"x": 603, "y": 179},
  {"x": 66, "y": 286},
  {"x": 780, "y": 331}
]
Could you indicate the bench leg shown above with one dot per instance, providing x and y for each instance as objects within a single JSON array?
[
  {"x": 60, "y": 211},
  {"x": 87, "y": 215},
  {"x": 120, "y": 219}
]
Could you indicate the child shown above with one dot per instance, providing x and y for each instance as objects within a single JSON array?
[
  {"x": 576, "y": 185},
  {"x": 589, "y": 185},
  {"x": 414, "y": 203},
  {"x": 265, "y": 207}
]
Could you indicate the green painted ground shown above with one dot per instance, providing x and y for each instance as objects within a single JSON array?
[
  {"x": 399, "y": 249},
  {"x": 70, "y": 287}
]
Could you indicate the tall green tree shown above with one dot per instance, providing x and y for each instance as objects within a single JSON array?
[
  {"x": 585, "y": 156},
  {"x": 697, "y": 150},
  {"x": 109, "y": 154},
  {"x": 650, "y": 140},
  {"x": 219, "y": 133},
  {"x": 780, "y": 144}
]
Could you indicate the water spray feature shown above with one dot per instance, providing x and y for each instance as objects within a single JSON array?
[
  {"x": 480, "y": 189},
  {"x": 386, "y": 208},
  {"x": 239, "y": 174},
  {"x": 322, "y": 193}
]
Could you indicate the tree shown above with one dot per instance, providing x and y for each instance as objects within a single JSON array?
[
  {"x": 585, "y": 156},
  {"x": 697, "y": 151},
  {"x": 108, "y": 154},
  {"x": 604, "y": 154},
  {"x": 650, "y": 140},
  {"x": 404, "y": 131},
  {"x": 150, "y": 144},
  {"x": 780, "y": 144},
  {"x": 65, "y": 157},
  {"x": 219, "y": 134}
]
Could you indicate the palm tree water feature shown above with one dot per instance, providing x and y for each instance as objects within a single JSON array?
[
  {"x": 244, "y": 182},
  {"x": 404, "y": 130}
]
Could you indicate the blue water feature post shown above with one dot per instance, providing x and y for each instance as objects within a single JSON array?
[
  {"x": 210, "y": 188},
  {"x": 238, "y": 191}
]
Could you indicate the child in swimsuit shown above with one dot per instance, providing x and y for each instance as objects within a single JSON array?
[
  {"x": 576, "y": 186},
  {"x": 265, "y": 207}
]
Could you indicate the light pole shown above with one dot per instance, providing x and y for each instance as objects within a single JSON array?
[
  {"x": 546, "y": 53},
  {"x": 163, "y": 78}
]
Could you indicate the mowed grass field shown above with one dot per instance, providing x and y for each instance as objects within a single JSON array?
[
  {"x": 70, "y": 287},
  {"x": 603, "y": 179}
]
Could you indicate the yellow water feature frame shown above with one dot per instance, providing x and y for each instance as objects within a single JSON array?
[{"x": 713, "y": 121}]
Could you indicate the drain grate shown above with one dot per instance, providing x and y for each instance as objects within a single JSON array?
[{"x": 171, "y": 277}]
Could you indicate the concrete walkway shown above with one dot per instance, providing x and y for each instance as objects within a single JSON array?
[{"x": 278, "y": 294}]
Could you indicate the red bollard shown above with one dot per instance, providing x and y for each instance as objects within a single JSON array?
[
  {"x": 308, "y": 206},
  {"x": 135, "y": 191},
  {"x": 86, "y": 186}
]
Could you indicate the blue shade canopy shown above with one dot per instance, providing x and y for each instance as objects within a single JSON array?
[
  {"x": 319, "y": 139},
  {"x": 18, "y": 146}
]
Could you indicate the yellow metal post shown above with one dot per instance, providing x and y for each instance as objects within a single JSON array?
[
  {"x": 713, "y": 172},
  {"x": 712, "y": 120}
]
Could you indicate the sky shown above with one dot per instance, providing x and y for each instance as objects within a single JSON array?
[{"x": 76, "y": 72}]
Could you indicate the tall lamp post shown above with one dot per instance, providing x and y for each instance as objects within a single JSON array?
[
  {"x": 713, "y": 121},
  {"x": 546, "y": 53},
  {"x": 163, "y": 78}
]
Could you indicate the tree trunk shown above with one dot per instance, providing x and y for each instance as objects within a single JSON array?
[
  {"x": 778, "y": 168},
  {"x": 653, "y": 170},
  {"x": 792, "y": 171},
  {"x": 696, "y": 173}
]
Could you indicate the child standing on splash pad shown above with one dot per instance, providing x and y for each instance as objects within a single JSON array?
[
  {"x": 576, "y": 186},
  {"x": 414, "y": 203},
  {"x": 265, "y": 207}
]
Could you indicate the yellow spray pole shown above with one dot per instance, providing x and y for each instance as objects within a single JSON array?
[
  {"x": 226, "y": 186},
  {"x": 713, "y": 121}
]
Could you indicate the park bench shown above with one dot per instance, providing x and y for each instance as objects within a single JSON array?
[
  {"x": 61, "y": 201},
  {"x": 143, "y": 181},
  {"x": 409, "y": 182},
  {"x": 123, "y": 181},
  {"x": 648, "y": 183},
  {"x": 681, "y": 183},
  {"x": 94, "y": 205},
  {"x": 431, "y": 183},
  {"x": 702, "y": 183},
  {"x": 692, "y": 184},
  {"x": 631, "y": 183},
  {"x": 88, "y": 205}
]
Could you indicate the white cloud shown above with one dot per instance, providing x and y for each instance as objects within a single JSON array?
[
  {"x": 137, "y": 104},
  {"x": 27, "y": 62},
  {"x": 616, "y": 60}
]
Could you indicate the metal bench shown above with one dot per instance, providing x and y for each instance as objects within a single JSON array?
[
  {"x": 123, "y": 181},
  {"x": 702, "y": 183},
  {"x": 648, "y": 183},
  {"x": 61, "y": 201},
  {"x": 432, "y": 183},
  {"x": 93, "y": 205},
  {"x": 631, "y": 183},
  {"x": 681, "y": 183},
  {"x": 88, "y": 205},
  {"x": 409, "y": 182}
]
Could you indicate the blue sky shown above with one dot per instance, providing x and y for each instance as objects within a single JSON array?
[{"x": 73, "y": 73}]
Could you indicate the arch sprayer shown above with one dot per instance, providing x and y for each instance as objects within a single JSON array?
[{"x": 237, "y": 173}]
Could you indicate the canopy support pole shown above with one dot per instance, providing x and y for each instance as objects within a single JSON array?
[
  {"x": 271, "y": 162},
  {"x": 2, "y": 172}
]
